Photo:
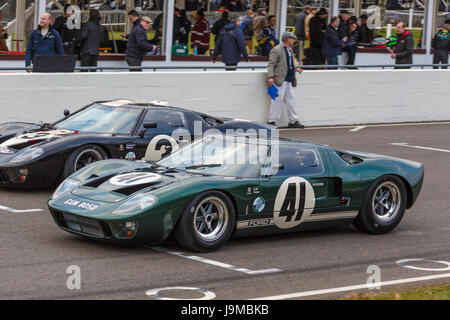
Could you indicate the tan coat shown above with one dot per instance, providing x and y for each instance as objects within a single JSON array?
[
  {"x": 259, "y": 23},
  {"x": 278, "y": 66}
]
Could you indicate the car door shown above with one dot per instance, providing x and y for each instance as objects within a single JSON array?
[
  {"x": 294, "y": 184},
  {"x": 157, "y": 127}
]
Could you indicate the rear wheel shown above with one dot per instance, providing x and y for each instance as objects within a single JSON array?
[
  {"x": 383, "y": 207},
  {"x": 82, "y": 157},
  {"x": 207, "y": 222}
]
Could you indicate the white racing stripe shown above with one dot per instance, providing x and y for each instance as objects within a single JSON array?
[
  {"x": 351, "y": 288},
  {"x": 19, "y": 211},
  {"x": 214, "y": 263},
  {"x": 406, "y": 144}
]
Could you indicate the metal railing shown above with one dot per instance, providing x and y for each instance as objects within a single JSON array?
[{"x": 253, "y": 68}]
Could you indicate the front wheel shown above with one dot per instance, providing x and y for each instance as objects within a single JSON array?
[
  {"x": 383, "y": 207},
  {"x": 82, "y": 157},
  {"x": 207, "y": 222}
]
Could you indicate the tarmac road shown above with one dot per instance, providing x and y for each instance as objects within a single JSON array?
[{"x": 35, "y": 254}]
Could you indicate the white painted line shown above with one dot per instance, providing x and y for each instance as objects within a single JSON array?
[
  {"x": 374, "y": 125},
  {"x": 19, "y": 211},
  {"x": 355, "y": 287},
  {"x": 406, "y": 144},
  {"x": 154, "y": 293},
  {"x": 214, "y": 263},
  {"x": 357, "y": 128}
]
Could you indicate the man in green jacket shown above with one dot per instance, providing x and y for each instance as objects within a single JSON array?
[{"x": 281, "y": 72}]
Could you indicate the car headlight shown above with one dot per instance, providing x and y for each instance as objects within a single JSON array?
[
  {"x": 136, "y": 203},
  {"x": 27, "y": 154},
  {"x": 65, "y": 186},
  {"x": 6, "y": 150}
]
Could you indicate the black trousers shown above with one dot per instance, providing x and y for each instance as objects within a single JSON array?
[
  {"x": 133, "y": 62},
  {"x": 440, "y": 56},
  {"x": 89, "y": 60}
]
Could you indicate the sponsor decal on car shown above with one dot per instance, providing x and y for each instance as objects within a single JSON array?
[
  {"x": 252, "y": 223},
  {"x": 259, "y": 204},
  {"x": 131, "y": 156}
]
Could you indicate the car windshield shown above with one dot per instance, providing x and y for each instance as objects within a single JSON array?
[
  {"x": 220, "y": 155},
  {"x": 99, "y": 118}
]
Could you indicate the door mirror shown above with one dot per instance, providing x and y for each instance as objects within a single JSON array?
[
  {"x": 66, "y": 112},
  {"x": 150, "y": 125}
]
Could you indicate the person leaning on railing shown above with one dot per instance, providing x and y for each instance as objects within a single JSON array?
[
  {"x": 43, "y": 41},
  {"x": 441, "y": 45},
  {"x": 404, "y": 48},
  {"x": 137, "y": 45},
  {"x": 93, "y": 34}
]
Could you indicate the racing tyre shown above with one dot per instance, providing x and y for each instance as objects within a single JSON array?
[
  {"x": 82, "y": 157},
  {"x": 207, "y": 222},
  {"x": 383, "y": 206}
]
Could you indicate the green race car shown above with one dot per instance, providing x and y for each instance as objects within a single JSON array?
[{"x": 224, "y": 186}]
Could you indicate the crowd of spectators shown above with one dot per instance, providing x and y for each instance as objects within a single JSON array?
[{"x": 320, "y": 39}]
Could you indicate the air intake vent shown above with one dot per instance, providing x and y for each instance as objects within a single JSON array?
[
  {"x": 349, "y": 158},
  {"x": 95, "y": 183},
  {"x": 132, "y": 189}
]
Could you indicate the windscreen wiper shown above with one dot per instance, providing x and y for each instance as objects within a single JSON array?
[{"x": 203, "y": 165}]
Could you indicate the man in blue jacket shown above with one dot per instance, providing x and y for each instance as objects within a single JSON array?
[
  {"x": 331, "y": 47},
  {"x": 231, "y": 45},
  {"x": 138, "y": 46},
  {"x": 44, "y": 41}
]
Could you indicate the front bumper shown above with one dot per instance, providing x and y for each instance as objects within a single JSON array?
[{"x": 40, "y": 174}]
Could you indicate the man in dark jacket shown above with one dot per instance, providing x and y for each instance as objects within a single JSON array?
[
  {"x": 219, "y": 24},
  {"x": 138, "y": 46},
  {"x": 403, "y": 53},
  {"x": 231, "y": 45},
  {"x": 317, "y": 26},
  {"x": 351, "y": 44},
  {"x": 300, "y": 30},
  {"x": 365, "y": 33},
  {"x": 43, "y": 41},
  {"x": 441, "y": 45},
  {"x": 344, "y": 15},
  {"x": 331, "y": 42},
  {"x": 134, "y": 18},
  {"x": 93, "y": 34},
  {"x": 181, "y": 27}
]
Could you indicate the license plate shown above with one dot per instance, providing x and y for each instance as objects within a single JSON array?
[{"x": 80, "y": 204}]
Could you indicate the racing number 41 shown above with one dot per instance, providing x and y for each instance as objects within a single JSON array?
[{"x": 291, "y": 201}]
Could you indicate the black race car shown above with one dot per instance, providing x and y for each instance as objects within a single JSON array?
[{"x": 38, "y": 156}]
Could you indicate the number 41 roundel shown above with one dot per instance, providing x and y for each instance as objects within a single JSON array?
[{"x": 294, "y": 202}]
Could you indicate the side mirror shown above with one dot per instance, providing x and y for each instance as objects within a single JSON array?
[
  {"x": 150, "y": 125},
  {"x": 66, "y": 112}
]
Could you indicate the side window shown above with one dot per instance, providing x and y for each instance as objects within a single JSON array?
[
  {"x": 166, "y": 121},
  {"x": 297, "y": 161}
]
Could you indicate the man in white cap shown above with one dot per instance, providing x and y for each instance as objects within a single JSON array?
[{"x": 281, "y": 72}]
